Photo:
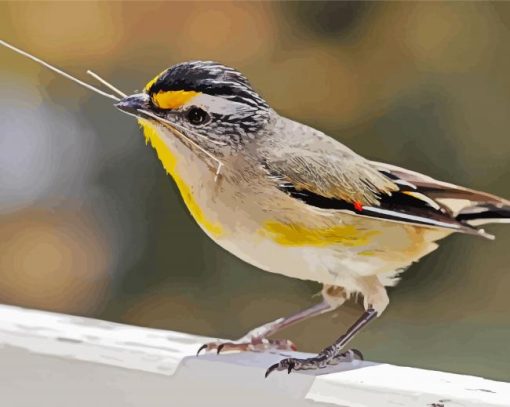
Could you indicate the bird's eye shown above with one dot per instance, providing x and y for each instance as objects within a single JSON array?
[{"x": 197, "y": 116}]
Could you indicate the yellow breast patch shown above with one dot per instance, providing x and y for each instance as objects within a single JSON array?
[
  {"x": 299, "y": 235},
  {"x": 169, "y": 161}
]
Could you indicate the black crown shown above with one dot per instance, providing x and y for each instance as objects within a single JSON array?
[{"x": 208, "y": 77}]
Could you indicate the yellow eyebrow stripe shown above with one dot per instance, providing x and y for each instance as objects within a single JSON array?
[{"x": 173, "y": 99}]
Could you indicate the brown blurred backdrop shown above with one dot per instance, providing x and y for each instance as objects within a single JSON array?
[{"x": 90, "y": 224}]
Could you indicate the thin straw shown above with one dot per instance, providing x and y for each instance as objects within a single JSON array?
[
  {"x": 59, "y": 71},
  {"x": 105, "y": 83},
  {"x": 119, "y": 92}
]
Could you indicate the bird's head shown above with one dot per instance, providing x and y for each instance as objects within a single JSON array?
[{"x": 209, "y": 103}]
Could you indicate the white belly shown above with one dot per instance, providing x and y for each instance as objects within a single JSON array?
[
  {"x": 335, "y": 264},
  {"x": 327, "y": 265}
]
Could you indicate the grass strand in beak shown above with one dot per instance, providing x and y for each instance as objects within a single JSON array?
[{"x": 57, "y": 70}]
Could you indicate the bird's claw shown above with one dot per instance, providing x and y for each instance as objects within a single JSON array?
[
  {"x": 254, "y": 345},
  {"x": 317, "y": 362},
  {"x": 285, "y": 364},
  {"x": 204, "y": 346}
]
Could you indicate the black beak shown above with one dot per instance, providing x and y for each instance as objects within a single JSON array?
[{"x": 134, "y": 103}]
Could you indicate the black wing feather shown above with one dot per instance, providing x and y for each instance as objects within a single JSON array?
[{"x": 399, "y": 206}]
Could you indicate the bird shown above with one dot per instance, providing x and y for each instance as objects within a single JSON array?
[{"x": 289, "y": 199}]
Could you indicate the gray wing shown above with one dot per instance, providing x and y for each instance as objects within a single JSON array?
[
  {"x": 310, "y": 160},
  {"x": 327, "y": 175}
]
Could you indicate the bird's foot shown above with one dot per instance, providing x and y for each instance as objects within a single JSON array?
[
  {"x": 328, "y": 357},
  {"x": 253, "y": 344}
]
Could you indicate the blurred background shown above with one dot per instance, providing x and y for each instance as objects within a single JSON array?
[{"x": 91, "y": 225}]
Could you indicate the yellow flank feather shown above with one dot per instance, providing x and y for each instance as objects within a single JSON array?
[
  {"x": 173, "y": 99},
  {"x": 367, "y": 253},
  {"x": 299, "y": 235},
  {"x": 169, "y": 161}
]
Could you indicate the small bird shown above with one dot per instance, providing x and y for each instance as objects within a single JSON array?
[{"x": 288, "y": 199}]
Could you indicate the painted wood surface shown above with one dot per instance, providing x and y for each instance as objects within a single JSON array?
[{"x": 55, "y": 360}]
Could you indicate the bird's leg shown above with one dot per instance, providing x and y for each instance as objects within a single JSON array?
[
  {"x": 329, "y": 354},
  {"x": 256, "y": 339},
  {"x": 376, "y": 300}
]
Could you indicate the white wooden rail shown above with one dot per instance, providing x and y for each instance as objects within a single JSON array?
[{"x": 55, "y": 360}]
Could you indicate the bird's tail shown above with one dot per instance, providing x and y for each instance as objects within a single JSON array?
[
  {"x": 466, "y": 206},
  {"x": 485, "y": 213}
]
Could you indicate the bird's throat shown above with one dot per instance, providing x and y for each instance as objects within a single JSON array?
[{"x": 169, "y": 161}]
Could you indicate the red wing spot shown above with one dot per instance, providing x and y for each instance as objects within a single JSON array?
[{"x": 358, "y": 206}]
